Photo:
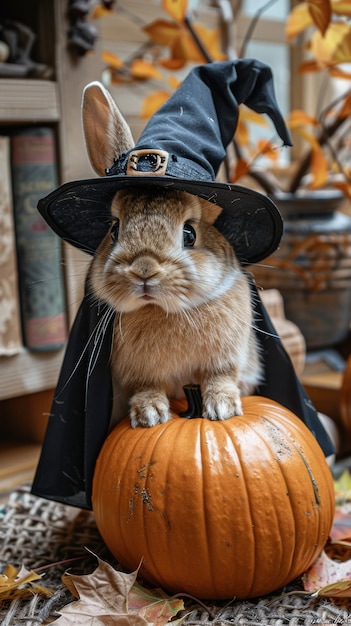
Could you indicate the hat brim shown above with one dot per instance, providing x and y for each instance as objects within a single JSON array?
[{"x": 79, "y": 212}]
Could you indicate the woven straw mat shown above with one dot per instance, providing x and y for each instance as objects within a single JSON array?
[{"x": 36, "y": 532}]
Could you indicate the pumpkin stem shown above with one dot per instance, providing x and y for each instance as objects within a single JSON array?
[{"x": 193, "y": 396}]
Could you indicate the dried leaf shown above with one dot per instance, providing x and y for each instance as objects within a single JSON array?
[
  {"x": 154, "y": 605},
  {"x": 103, "y": 596},
  {"x": 335, "y": 46},
  {"x": 268, "y": 149},
  {"x": 176, "y": 8},
  {"x": 173, "y": 82},
  {"x": 339, "y": 550},
  {"x": 99, "y": 11},
  {"x": 309, "y": 66},
  {"x": 242, "y": 133},
  {"x": 319, "y": 167},
  {"x": 144, "y": 70},
  {"x": 162, "y": 32},
  {"x": 153, "y": 102},
  {"x": 300, "y": 118},
  {"x": 341, "y": 7},
  {"x": 337, "y": 72},
  {"x": 172, "y": 64},
  {"x": 241, "y": 169},
  {"x": 298, "y": 20},
  {"x": 112, "y": 60},
  {"x": 325, "y": 572},
  {"x": 320, "y": 11},
  {"x": 341, "y": 589},
  {"x": 16, "y": 583},
  {"x": 184, "y": 46},
  {"x": 247, "y": 115},
  {"x": 109, "y": 597}
]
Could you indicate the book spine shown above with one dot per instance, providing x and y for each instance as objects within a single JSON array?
[
  {"x": 39, "y": 254},
  {"x": 10, "y": 327}
]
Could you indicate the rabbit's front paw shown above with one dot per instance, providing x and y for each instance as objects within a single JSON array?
[
  {"x": 148, "y": 408},
  {"x": 220, "y": 404}
]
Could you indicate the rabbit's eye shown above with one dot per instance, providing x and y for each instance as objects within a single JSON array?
[
  {"x": 114, "y": 230},
  {"x": 189, "y": 236}
]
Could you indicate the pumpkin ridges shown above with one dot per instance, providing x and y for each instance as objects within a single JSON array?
[
  {"x": 168, "y": 449},
  {"x": 225, "y": 576},
  {"x": 186, "y": 505},
  {"x": 305, "y": 442},
  {"x": 114, "y": 447},
  {"x": 259, "y": 484},
  {"x": 202, "y": 445},
  {"x": 250, "y": 567},
  {"x": 203, "y": 433},
  {"x": 281, "y": 549}
]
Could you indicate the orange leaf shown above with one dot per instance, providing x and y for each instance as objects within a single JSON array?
[
  {"x": 99, "y": 11},
  {"x": 176, "y": 8},
  {"x": 335, "y": 46},
  {"x": 162, "y": 32},
  {"x": 298, "y": 20},
  {"x": 300, "y": 118},
  {"x": 309, "y": 66},
  {"x": 267, "y": 149},
  {"x": 250, "y": 116},
  {"x": 173, "y": 82},
  {"x": 145, "y": 70},
  {"x": 112, "y": 60},
  {"x": 241, "y": 169},
  {"x": 184, "y": 46},
  {"x": 242, "y": 134},
  {"x": 320, "y": 11},
  {"x": 172, "y": 64},
  {"x": 318, "y": 168},
  {"x": 336, "y": 72},
  {"x": 153, "y": 102},
  {"x": 341, "y": 7}
]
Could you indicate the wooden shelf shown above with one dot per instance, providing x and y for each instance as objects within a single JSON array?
[
  {"x": 28, "y": 372},
  {"x": 28, "y": 100}
]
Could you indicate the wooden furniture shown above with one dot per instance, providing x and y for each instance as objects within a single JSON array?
[
  {"x": 27, "y": 379},
  {"x": 54, "y": 102}
]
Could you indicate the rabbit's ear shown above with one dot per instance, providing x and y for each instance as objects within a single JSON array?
[{"x": 106, "y": 132}]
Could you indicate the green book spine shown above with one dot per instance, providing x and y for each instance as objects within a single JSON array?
[{"x": 39, "y": 254}]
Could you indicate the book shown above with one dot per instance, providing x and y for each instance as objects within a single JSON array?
[
  {"x": 10, "y": 326},
  {"x": 39, "y": 253}
]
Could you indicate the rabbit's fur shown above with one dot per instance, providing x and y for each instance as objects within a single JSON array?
[{"x": 183, "y": 313}]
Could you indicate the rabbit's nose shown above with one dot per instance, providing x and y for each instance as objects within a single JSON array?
[{"x": 145, "y": 267}]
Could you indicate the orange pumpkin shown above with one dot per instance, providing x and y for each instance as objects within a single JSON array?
[{"x": 219, "y": 510}]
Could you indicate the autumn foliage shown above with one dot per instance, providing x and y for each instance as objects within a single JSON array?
[{"x": 324, "y": 28}]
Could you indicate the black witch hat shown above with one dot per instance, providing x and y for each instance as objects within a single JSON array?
[{"x": 181, "y": 148}]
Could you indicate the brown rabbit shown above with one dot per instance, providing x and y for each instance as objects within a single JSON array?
[{"x": 183, "y": 303}]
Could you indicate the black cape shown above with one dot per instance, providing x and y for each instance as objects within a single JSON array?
[{"x": 81, "y": 409}]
